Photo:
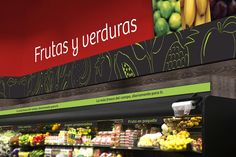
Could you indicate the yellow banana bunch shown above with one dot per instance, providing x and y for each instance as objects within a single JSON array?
[
  {"x": 182, "y": 14},
  {"x": 201, "y": 6},
  {"x": 189, "y": 12},
  {"x": 208, "y": 13},
  {"x": 199, "y": 19},
  {"x": 195, "y": 12}
]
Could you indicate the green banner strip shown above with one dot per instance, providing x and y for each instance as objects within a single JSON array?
[{"x": 157, "y": 93}]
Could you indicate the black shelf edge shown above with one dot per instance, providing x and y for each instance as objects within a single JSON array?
[
  {"x": 123, "y": 148},
  {"x": 114, "y": 148}
]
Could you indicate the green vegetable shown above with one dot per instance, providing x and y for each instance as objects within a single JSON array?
[
  {"x": 177, "y": 7},
  {"x": 37, "y": 153},
  {"x": 166, "y": 9},
  {"x": 156, "y": 15},
  {"x": 175, "y": 21},
  {"x": 161, "y": 27},
  {"x": 154, "y": 4}
]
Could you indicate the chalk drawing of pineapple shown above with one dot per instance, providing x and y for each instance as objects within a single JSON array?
[{"x": 178, "y": 54}]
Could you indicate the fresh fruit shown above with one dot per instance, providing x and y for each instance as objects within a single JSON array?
[
  {"x": 197, "y": 145},
  {"x": 222, "y": 8},
  {"x": 149, "y": 140},
  {"x": 208, "y": 13},
  {"x": 183, "y": 18},
  {"x": 156, "y": 15},
  {"x": 212, "y": 3},
  {"x": 56, "y": 126},
  {"x": 166, "y": 9},
  {"x": 167, "y": 18},
  {"x": 177, "y": 7},
  {"x": 177, "y": 141},
  {"x": 200, "y": 19},
  {"x": 159, "y": 5},
  {"x": 181, "y": 3},
  {"x": 173, "y": 4},
  {"x": 154, "y": 4},
  {"x": 175, "y": 21},
  {"x": 161, "y": 27},
  {"x": 189, "y": 12},
  {"x": 232, "y": 7},
  {"x": 195, "y": 12},
  {"x": 189, "y": 122},
  {"x": 201, "y": 6}
]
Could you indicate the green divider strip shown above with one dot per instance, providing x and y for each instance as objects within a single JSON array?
[{"x": 157, "y": 93}]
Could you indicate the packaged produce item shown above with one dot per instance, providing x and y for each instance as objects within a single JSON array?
[
  {"x": 197, "y": 145},
  {"x": 37, "y": 153},
  {"x": 150, "y": 140},
  {"x": 62, "y": 137},
  {"x": 86, "y": 152},
  {"x": 103, "y": 138},
  {"x": 129, "y": 138},
  {"x": 56, "y": 152},
  {"x": 79, "y": 136},
  {"x": 48, "y": 152},
  {"x": 24, "y": 154},
  {"x": 71, "y": 136},
  {"x": 51, "y": 140},
  {"x": 83, "y": 136},
  {"x": 115, "y": 135},
  {"x": 97, "y": 153},
  {"x": 14, "y": 140},
  {"x": 66, "y": 151},
  {"x": 105, "y": 154}
]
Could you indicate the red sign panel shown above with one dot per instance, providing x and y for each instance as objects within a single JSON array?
[{"x": 37, "y": 35}]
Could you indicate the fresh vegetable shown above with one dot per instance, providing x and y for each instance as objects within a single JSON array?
[
  {"x": 167, "y": 16},
  {"x": 37, "y": 153}
]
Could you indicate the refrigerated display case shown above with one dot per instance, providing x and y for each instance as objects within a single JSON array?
[{"x": 126, "y": 129}]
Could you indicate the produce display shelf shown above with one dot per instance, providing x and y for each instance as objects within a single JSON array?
[{"x": 124, "y": 148}]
